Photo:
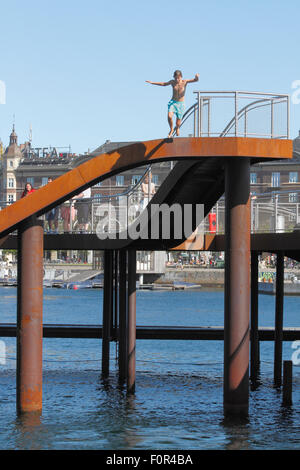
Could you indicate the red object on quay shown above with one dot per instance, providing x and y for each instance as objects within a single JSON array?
[{"x": 212, "y": 220}]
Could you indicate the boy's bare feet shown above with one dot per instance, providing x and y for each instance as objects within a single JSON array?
[
  {"x": 177, "y": 131},
  {"x": 170, "y": 133}
]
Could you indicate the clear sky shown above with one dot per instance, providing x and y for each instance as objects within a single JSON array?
[{"x": 76, "y": 70}]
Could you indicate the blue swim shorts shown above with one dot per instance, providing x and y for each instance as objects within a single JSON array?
[{"x": 176, "y": 107}]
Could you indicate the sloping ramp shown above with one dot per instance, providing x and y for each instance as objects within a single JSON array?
[{"x": 138, "y": 154}]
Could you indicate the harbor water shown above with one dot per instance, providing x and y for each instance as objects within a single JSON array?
[{"x": 178, "y": 402}]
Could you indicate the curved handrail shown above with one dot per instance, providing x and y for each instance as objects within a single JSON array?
[
  {"x": 275, "y": 99},
  {"x": 243, "y": 111}
]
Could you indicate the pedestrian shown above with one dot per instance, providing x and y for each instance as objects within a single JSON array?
[
  {"x": 28, "y": 189},
  {"x": 52, "y": 215},
  {"x": 83, "y": 207},
  {"x": 176, "y": 104},
  {"x": 147, "y": 191}
]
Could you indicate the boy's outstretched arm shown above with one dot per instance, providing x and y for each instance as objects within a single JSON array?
[
  {"x": 160, "y": 83},
  {"x": 195, "y": 79}
]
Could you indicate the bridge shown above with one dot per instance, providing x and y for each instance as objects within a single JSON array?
[{"x": 208, "y": 164}]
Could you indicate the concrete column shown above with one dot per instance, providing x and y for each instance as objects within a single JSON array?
[
  {"x": 30, "y": 316},
  {"x": 237, "y": 287},
  {"x": 131, "y": 321}
]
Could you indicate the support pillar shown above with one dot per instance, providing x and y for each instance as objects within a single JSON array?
[
  {"x": 237, "y": 287},
  {"x": 254, "y": 348},
  {"x": 279, "y": 319},
  {"x": 123, "y": 316},
  {"x": 30, "y": 316},
  {"x": 131, "y": 321},
  {"x": 107, "y": 310}
]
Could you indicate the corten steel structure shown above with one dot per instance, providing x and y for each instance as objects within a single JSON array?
[{"x": 206, "y": 167}]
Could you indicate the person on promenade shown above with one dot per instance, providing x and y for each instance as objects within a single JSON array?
[
  {"x": 147, "y": 191},
  {"x": 52, "y": 215},
  {"x": 176, "y": 104},
  {"x": 28, "y": 189},
  {"x": 83, "y": 207}
]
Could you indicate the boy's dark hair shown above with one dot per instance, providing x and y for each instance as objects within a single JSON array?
[{"x": 177, "y": 72}]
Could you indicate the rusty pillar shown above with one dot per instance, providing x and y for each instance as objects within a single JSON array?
[
  {"x": 131, "y": 321},
  {"x": 123, "y": 316},
  {"x": 30, "y": 316},
  {"x": 107, "y": 310},
  {"x": 254, "y": 339},
  {"x": 237, "y": 287},
  {"x": 278, "y": 319}
]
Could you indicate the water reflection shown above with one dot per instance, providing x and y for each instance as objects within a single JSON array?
[
  {"x": 29, "y": 428},
  {"x": 237, "y": 431},
  {"x": 122, "y": 411}
]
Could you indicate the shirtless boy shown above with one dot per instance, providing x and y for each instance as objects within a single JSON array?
[{"x": 176, "y": 104}]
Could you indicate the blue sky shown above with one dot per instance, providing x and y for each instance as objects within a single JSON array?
[{"x": 76, "y": 70}]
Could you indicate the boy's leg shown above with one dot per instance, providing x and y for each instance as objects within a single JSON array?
[
  {"x": 170, "y": 121},
  {"x": 178, "y": 124}
]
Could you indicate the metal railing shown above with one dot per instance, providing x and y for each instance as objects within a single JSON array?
[
  {"x": 238, "y": 114},
  {"x": 271, "y": 212}
]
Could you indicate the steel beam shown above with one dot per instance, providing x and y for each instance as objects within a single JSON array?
[
  {"x": 254, "y": 348},
  {"x": 278, "y": 319},
  {"x": 123, "y": 316},
  {"x": 30, "y": 316},
  {"x": 237, "y": 287},
  {"x": 107, "y": 310}
]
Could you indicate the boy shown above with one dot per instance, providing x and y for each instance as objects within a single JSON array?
[{"x": 176, "y": 104}]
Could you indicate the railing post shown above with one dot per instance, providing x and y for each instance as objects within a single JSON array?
[
  {"x": 195, "y": 123},
  {"x": 245, "y": 123},
  {"x": 272, "y": 118},
  {"x": 288, "y": 118},
  {"x": 236, "y": 112},
  {"x": 199, "y": 115},
  {"x": 208, "y": 117}
]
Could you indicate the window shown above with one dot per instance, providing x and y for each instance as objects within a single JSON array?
[
  {"x": 97, "y": 185},
  {"x": 120, "y": 180},
  {"x": 293, "y": 197},
  {"x": 30, "y": 180},
  {"x": 44, "y": 180},
  {"x": 11, "y": 183},
  {"x": 11, "y": 163},
  {"x": 293, "y": 177},
  {"x": 10, "y": 198},
  {"x": 275, "y": 179},
  {"x": 253, "y": 178},
  {"x": 135, "y": 179},
  {"x": 154, "y": 179}
]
